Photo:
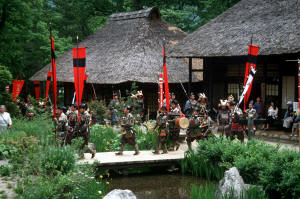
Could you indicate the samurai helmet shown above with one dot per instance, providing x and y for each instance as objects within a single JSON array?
[
  {"x": 133, "y": 96},
  {"x": 230, "y": 97},
  {"x": 223, "y": 102},
  {"x": 202, "y": 95},
  {"x": 139, "y": 93}
]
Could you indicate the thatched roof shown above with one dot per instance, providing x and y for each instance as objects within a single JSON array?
[
  {"x": 274, "y": 24},
  {"x": 128, "y": 48}
]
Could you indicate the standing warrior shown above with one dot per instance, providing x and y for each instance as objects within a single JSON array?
[
  {"x": 223, "y": 119},
  {"x": 82, "y": 125},
  {"x": 236, "y": 127},
  {"x": 251, "y": 116},
  {"x": 194, "y": 131},
  {"x": 190, "y": 105},
  {"x": 202, "y": 103},
  {"x": 61, "y": 123},
  {"x": 128, "y": 136},
  {"x": 114, "y": 103},
  {"x": 173, "y": 129},
  {"x": 161, "y": 123}
]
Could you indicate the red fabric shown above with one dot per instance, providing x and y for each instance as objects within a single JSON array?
[
  {"x": 79, "y": 72},
  {"x": 166, "y": 80},
  {"x": 37, "y": 90},
  {"x": 48, "y": 82},
  {"x": 252, "y": 51},
  {"x": 17, "y": 88},
  {"x": 161, "y": 90},
  {"x": 53, "y": 76}
]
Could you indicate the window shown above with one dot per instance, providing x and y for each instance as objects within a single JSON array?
[
  {"x": 272, "y": 90},
  {"x": 234, "y": 89}
]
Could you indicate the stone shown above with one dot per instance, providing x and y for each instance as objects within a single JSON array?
[
  {"x": 284, "y": 137},
  {"x": 91, "y": 149},
  {"x": 275, "y": 136},
  {"x": 232, "y": 182},
  {"x": 120, "y": 194}
]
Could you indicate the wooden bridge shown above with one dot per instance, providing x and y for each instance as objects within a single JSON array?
[{"x": 109, "y": 160}]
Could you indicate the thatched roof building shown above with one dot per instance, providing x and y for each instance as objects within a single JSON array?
[
  {"x": 127, "y": 48},
  {"x": 222, "y": 44},
  {"x": 274, "y": 25}
]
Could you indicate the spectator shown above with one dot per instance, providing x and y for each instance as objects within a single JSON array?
[
  {"x": 296, "y": 121},
  {"x": 288, "y": 116},
  {"x": 5, "y": 120},
  {"x": 259, "y": 107},
  {"x": 272, "y": 115}
]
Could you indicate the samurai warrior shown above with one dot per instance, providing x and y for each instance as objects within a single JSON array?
[
  {"x": 236, "y": 128},
  {"x": 162, "y": 123},
  {"x": 223, "y": 119},
  {"x": 251, "y": 116},
  {"x": 173, "y": 129}
]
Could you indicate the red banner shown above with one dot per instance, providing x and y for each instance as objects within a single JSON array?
[
  {"x": 161, "y": 90},
  {"x": 37, "y": 90},
  {"x": 252, "y": 59},
  {"x": 166, "y": 80},
  {"x": 53, "y": 76},
  {"x": 79, "y": 60},
  {"x": 48, "y": 82},
  {"x": 17, "y": 88}
]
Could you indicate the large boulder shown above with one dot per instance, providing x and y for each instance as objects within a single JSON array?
[
  {"x": 120, "y": 194},
  {"x": 232, "y": 183}
]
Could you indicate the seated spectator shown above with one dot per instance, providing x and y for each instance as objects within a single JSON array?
[
  {"x": 272, "y": 115},
  {"x": 5, "y": 120},
  {"x": 296, "y": 121},
  {"x": 288, "y": 116}
]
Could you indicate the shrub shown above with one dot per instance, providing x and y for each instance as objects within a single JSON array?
[
  {"x": 99, "y": 110},
  {"x": 58, "y": 159},
  {"x": 5, "y": 170}
]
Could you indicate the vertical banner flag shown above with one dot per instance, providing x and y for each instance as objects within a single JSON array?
[
  {"x": 37, "y": 90},
  {"x": 252, "y": 59},
  {"x": 48, "y": 82},
  {"x": 161, "y": 90},
  {"x": 79, "y": 60},
  {"x": 17, "y": 88},
  {"x": 299, "y": 84},
  {"x": 166, "y": 80},
  {"x": 53, "y": 75}
]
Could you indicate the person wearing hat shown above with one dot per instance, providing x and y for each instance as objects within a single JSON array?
[
  {"x": 173, "y": 129},
  {"x": 140, "y": 108},
  {"x": 190, "y": 105},
  {"x": 61, "y": 122},
  {"x": 194, "y": 131},
  {"x": 113, "y": 107},
  {"x": 288, "y": 116},
  {"x": 236, "y": 128},
  {"x": 5, "y": 120},
  {"x": 202, "y": 103},
  {"x": 128, "y": 136},
  {"x": 161, "y": 123},
  {"x": 223, "y": 119},
  {"x": 251, "y": 116},
  {"x": 173, "y": 98}
]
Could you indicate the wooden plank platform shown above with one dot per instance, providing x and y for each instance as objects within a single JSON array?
[{"x": 128, "y": 160}]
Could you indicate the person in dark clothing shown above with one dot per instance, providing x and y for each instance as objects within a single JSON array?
[{"x": 259, "y": 107}]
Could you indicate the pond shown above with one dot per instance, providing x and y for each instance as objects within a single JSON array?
[{"x": 157, "y": 186}]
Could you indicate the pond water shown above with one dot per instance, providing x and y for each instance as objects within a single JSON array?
[{"x": 157, "y": 186}]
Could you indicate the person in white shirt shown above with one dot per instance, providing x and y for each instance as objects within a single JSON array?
[
  {"x": 272, "y": 115},
  {"x": 5, "y": 120}
]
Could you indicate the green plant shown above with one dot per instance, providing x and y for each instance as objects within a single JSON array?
[
  {"x": 58, "y": 159},
  {"x": 5, "y": 170},
  {"x": 98, "y": 110}
]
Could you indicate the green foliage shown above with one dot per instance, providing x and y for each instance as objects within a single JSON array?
[
  {"x": 99, "y": 110},
  {"x": 58, "y": 159},
  {"x": 5, "y": 170},
  {"x": 6, "y": 78},
  {"x": 206, "y": 191},
  {"x": 258, "y": 163}
]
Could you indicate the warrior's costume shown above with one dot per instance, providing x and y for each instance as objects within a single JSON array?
[
  {"x": 194, "y": 131},
  {"x": 173, "y": 129},
  {"x": 251, "y": 115},
  {"x": 161, "y": 123},
  {"x": 236, "y": 127},
  {"x": 223, "y": 120}
]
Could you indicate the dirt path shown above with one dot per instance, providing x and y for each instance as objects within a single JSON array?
[{"x": 7, "y": 188}]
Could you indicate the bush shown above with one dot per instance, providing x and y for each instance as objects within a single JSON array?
[
  {"x": 99, "y": 110},
  {"x": 258, "y": 163},
  {"x": 5, "y": 170},
  {"x": 58, "y": 159}
]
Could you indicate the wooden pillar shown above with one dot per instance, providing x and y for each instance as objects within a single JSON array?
[{"x": 190, "y": 76}]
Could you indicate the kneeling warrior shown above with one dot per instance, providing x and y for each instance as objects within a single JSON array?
[
  {"x": 194, "y": 130},
  {"x": 173, "y": 129},
  {"x": 161, "y": 123},
  {"x": 236, "y": 128},
  {"x": 223, "y": 119},
  {"x": 128, "y": 136}
]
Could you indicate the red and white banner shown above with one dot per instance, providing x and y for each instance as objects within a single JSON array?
[
  {"x": 251, "y": 63},
  {"x": 17, "y": 88},
  {"x": 79, "y": 61},
  {"x": 161, "y": 90},
  {"x": 37, "y": 90},
  {"x": 166, "y": 80}
]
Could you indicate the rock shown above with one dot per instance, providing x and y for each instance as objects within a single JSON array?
[
  {"x": 232, "y": 182},
  {"x": 275, "y": 136},
  {"x": 120, "y": 194},
  {"x": 284, "y": 137}
]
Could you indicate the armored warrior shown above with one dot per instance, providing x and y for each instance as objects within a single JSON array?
[
  {"x": 190, "y": 105},
  {"x": 161, "y": 123},
  {"x": 114, "y": 103},
  {"x": 236, "y": 127},
  {"x": 223, "y": 119},
  {"x": 128, "y": 136},
  {"x": 173, "y": 129},
  {"x": 82, "y": 125},
  {"x": 202, "y": 103},
  {"x": 194, "y": 131},
  {"x": 61, "y": 122},
  {"x": 251, "y": 116}
]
